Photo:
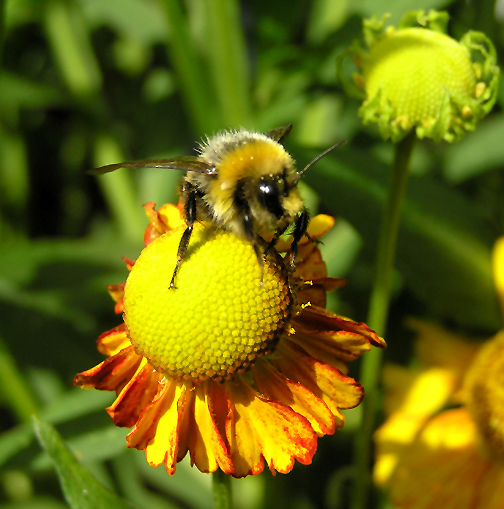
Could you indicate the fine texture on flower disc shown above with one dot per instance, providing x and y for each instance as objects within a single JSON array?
[
  {"x": 218, "y": 319},
  {"x": 413, "y": 67}
]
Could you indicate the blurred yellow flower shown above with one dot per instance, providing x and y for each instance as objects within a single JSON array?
[
  {"x": 442, "y": 444},
  {"x": 223, "y": 368},
  {"x": 417, "y": 77}
]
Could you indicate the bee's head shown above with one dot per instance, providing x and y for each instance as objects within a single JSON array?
[
  {"x": 271, "y": 192},
  {"x": 277, "y": 197}
]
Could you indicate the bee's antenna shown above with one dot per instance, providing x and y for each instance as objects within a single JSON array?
[{"x": 319, "y": 157}]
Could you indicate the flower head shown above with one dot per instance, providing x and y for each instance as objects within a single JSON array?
[
  {"x": 417, "y": 77},
  {"x": 443, "y": 442},
  {"x": 223, "y": 368}
]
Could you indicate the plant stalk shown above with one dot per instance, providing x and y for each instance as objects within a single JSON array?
[
  {"x": 221, "y": 484},
  {"x": 377, "y": 316}
]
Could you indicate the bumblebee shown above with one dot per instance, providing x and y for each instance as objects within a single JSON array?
[{"x": 242, "y": 181}]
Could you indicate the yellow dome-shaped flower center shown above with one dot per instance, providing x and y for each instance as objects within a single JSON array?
[
  {"x": 486, "y": 394},
  {"x": 219, "y": 318},
  {"x": 412, "y": 67}
]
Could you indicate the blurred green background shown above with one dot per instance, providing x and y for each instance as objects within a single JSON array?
[{"x": 91, "y": 82}]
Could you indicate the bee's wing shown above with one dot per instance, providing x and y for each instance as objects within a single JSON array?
[
  {"x": 279, "y": 133},
  {"x": 188, "y": 163}
]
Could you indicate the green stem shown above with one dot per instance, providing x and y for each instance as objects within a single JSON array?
[
  {"x": 377, "y": 317},
  {"x": 119, "y": 190},
  {"x": 221, "y": 484},
  {"x": 71, "y": 47},
  {"x": 2, "y": 31},
  {"x": 193, "y": 82},
  {"x": 227, "y": 55}
]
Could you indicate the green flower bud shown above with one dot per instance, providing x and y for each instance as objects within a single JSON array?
[{"x": 417, "y": 77}]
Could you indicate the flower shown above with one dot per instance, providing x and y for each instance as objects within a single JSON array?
[
  {"x": 442, "y": 444},
  {"x": 417, "y": 77},
  {"x": 227, "y": 369}
]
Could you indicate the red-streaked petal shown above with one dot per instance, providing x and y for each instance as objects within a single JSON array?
[
  {"x": 113, "y": 341},
  {"x": 155, "y": 228},
  {"x": 167, "y": 218},
  {"x": 314, "y": 291},
  {"x": 259, "y": 429},
  {"x": 116, "y": 292},
  {"x": 323, "y": 319},
  {"x": 309, "y": 263},
  {"x": 207, "y": 446},
  {"x": 129, "y": 263},
  {"x": 150, "y": 211},
  {"x": 312, "y": 294},
  {"x": 135, "y": 396},
  {"x": 278, "y": 388},
  {"x": 112, "y": 374},
  {"x": 157, "y": 429},
  {"x": 337, "y": 390},
  {"x": 329, "y": 337}
]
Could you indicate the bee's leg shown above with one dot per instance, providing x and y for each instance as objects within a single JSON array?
[
  {"x": 274, "y": 240},
  {"x": 190, "y": 217},
  {"x": 251, "y": 236},
  {"x": 299, "y": 231}
]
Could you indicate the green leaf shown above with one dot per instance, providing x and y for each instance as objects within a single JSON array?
[
  {"x": 444, "y": 248},
  {"x": 97, "y": 445},
  {"x": 81, "y": 489}
]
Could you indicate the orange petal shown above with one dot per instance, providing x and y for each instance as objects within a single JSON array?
[
  {"x": 278, "y": 388},
  {"x": 113, "y": 341},
  {"x": 258, "y": 428},
  {"x": 137, "y": 394},
  {"x": 116, "y": 292},
  {"x": 320, "y": 225},
  {"x": 167, "y": 218},
  {"x": 112, "y": 374},
  {"x": 171, "y": 216},
  {"x": 207, "y": 447},
  {"x": 150, "y": 211},
  {"x": 129, "y": 263},
  {"x": 328, "y": 337},
  {"x": 314, "y": 291},
  {"x": 309, "y": 263},
  {"x": 312, "y": 294},
  {"x": 157, "y": 429},
  {"x": 337, "y": 390}
]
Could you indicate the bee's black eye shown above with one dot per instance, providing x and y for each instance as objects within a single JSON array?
[{"x": 268, "y": 195}]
